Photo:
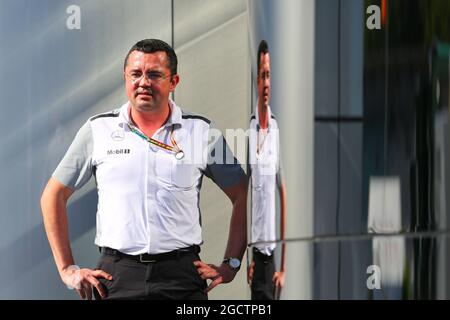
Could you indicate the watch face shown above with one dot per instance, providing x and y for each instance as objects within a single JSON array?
[{"x": 235, "y": 263}]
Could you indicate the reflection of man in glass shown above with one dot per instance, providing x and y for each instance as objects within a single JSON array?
[{"x": 264, "y": 170}]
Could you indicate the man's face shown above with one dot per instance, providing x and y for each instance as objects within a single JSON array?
[
  {"x": 264, "y": 79},
  {"x": 147, "y": 80}
]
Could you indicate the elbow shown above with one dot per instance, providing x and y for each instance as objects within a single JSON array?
[
  {"x": 44, "y": 199},
  {"x": 243, "y": 186},
  {"x": 54, "y": 194}
]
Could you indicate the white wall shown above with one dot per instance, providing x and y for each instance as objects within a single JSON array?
[{"x": 52, "y": 79}]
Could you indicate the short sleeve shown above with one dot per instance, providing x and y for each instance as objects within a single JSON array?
[
  {"x": 222, "y": 166},
  {"x": 280, "y": 175},
  {"x": 75, "y": 169}
]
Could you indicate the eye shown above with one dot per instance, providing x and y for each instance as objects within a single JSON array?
[
  {"x": 135, "y": 75},
  {"x": 265, "y": 75},
  {"x": 153, "y": 75}
]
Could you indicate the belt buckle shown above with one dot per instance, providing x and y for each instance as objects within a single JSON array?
[{"x": 141, "y": 259}]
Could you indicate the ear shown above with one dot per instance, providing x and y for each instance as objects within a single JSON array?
[{"x": 174, "y": 81}]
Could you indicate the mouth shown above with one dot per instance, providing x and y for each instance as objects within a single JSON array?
[{"x": 144, "y": 94}]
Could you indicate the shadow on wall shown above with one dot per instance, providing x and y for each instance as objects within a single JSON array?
[{"x": 33, "y": 248}]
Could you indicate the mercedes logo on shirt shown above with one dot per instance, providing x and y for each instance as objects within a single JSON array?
[{"x": 118, "y": 135}]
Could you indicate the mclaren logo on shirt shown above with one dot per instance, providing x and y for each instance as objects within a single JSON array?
[{"x": 118, "y": 151}]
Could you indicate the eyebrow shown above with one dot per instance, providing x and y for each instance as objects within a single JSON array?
[{"x": 150, "y": 70}]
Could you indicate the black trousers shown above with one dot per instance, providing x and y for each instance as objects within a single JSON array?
[
  {"x": 171, "y": 279},
  {"x": 262, "y": 287}
]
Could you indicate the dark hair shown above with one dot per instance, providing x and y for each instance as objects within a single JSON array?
[
  {"x": 263, "y": 48},
  {"x": 154, "y": 45}
]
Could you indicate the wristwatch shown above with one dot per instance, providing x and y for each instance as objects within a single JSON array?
[{"x": 234, "y": 263}]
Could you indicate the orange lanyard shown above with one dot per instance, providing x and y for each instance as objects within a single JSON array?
[
  {"x": 259, "y": 146},
  {"x": 174, "y": 148}
]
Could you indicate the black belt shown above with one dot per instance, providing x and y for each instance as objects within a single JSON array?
[
  {"x": 262, "y": 256},
  {"x": 149, "y": 258}
]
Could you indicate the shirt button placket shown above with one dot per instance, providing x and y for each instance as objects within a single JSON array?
[{"x": 151, "y": 194}]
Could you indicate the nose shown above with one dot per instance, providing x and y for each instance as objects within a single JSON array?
[{"x": 144, "y": 80}]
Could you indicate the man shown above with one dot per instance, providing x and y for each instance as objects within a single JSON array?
[
  {"x": 264, "y": 171},
  {"x": 148, "y": 158}
]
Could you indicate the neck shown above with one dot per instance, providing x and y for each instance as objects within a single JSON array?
[
  {"x": 149, "y": 122},
  {"x": 263, "y": 115}
]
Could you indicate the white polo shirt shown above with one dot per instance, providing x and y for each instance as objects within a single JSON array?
[
  {"x": 148, "y": 201},
  {"x": 264, "y": 170}
]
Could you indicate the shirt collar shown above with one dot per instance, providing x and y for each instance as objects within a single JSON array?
[
  {"x": 175, "y": 114},
  {"x": 174, "y": 117}
]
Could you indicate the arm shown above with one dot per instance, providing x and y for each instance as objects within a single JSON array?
[
  {"x": 237, "y": 238},
  {"x": 282, "y": 191},
  {"x": 53, "y": 204},
  {"x": 279, "y": 276},
  {"x": 251, "y": 266}
]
